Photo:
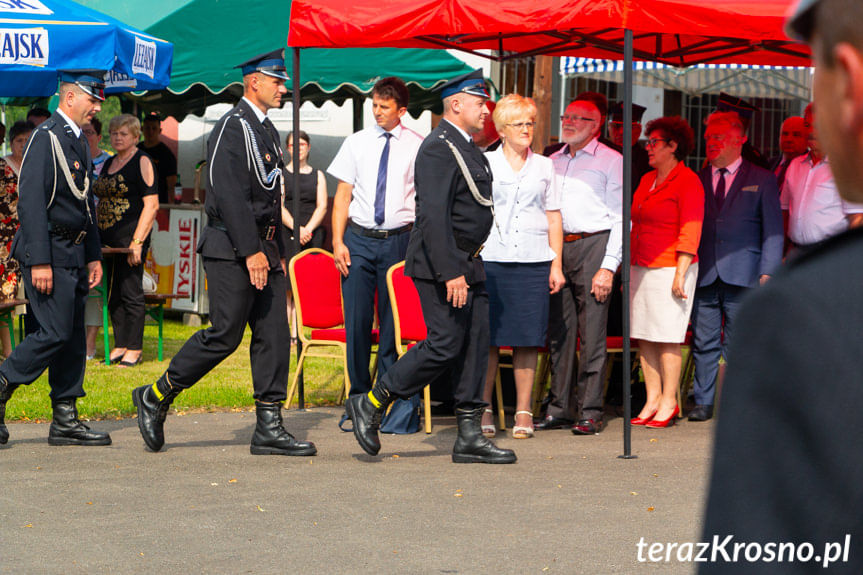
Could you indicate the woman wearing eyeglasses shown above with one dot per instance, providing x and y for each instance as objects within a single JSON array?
[
  {"x": 667, "y": 213},
  {"x": 522, "y": 254}
]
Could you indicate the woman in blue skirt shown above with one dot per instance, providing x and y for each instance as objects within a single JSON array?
[{"x": 521, "y": 255}]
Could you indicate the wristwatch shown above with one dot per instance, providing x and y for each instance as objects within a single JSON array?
[{"x": 137, "y": 241}]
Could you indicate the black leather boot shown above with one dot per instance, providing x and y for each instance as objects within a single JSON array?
[
  {"x": 270, "y": 437},
  {"x": 6, "y": 391},
  {"x": 153, "y": 402},
  {"x": 67, "y": 429},
  {"x": 471, "y": 446},
  {"x": 366, "y": 415}
]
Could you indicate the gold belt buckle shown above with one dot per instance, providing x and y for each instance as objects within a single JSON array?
[
  {"x": 81, "y": 235},
  {"x": 476, "y": 253},
  {"x": 271, "y": 232}
]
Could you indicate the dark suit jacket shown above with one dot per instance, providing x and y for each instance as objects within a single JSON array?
[
  {"x": 744, "y": 240},
  {"x": 446, "y": 209},
  {"x": 787, "y": 465},
  {"x": 33, "y": 245},
  {"x": 235, "y": 195}
]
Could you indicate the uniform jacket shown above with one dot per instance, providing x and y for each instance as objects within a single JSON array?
[
  {"x": 744, "y": 240},
  {"x": 33, "y": 244},
  {"x": 235, "y": 195},
  {"x": 445, "y": 209}
]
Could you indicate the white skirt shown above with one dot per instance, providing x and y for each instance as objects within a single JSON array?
[{"x": 655, "y": 314}]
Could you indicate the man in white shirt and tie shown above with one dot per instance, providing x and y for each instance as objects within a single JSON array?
[{"x": 373, "y": 211}]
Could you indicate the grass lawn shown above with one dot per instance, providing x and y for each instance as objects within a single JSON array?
[{"x": 228, "y": 386}]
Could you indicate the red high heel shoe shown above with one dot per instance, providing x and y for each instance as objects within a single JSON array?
[
  {"x": 643, "y": 420},
  {"x": 665, "y": 422}
]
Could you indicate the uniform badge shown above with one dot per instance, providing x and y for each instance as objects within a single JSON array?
[
  {"x": 76, "y": 165},
  {"x": 268, "y": 157}
]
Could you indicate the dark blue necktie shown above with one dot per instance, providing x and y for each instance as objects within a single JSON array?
[
  {"x": 381, "y": 188},
  {"x": 719, "y": 192}
]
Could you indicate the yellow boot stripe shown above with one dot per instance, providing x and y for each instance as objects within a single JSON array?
[
  {"x": 374, "y": 399},
  {"x": 155, "y": 388}
]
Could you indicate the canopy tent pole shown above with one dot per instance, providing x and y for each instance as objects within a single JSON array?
[
  {"x": 295, "y": 205},
  {"x": 624, "y": 264}
]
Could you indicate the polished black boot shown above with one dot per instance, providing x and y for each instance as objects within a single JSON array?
[
  {"x": 366, "y": 411},
  {"x": 471, "y": 446},
  {"x": 6, "y": 391},
  {"x": 270, "y": 437},
  {"x": 152, "y": 403},
  {"x": 67, "y": 429}
]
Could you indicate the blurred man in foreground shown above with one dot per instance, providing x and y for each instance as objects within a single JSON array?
[{"x": 788, "y": 465}]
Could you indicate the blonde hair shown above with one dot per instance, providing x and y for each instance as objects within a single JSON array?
[
  {"x": 513, "y": 107},
  {"x": 126, "y": 121}
]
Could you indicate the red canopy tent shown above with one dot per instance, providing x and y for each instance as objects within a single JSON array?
[{"x": 674, "y": 32}]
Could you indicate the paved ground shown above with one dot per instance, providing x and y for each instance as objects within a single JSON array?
[{"x": 205, "y": 505}]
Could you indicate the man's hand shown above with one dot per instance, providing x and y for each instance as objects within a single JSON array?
[
  {"x": 259, "y": 268},
  {"x": 603, "y": 279},
  {"x": 94, "y": 273},
  {"x": 42, "y": 277},
  {"x": 456, "y": 291},
  {"x": 284, "y": 264},
  {"x": 763, "y": 279},
  {"x": 343, "y": 258}
]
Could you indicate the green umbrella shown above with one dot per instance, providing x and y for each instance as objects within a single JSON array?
[{"x": 212, "y": 36}]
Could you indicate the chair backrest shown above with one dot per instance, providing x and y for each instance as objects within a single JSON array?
[
  {"x": 317, "y": 288},
  {"x": 408, "y": 317}
]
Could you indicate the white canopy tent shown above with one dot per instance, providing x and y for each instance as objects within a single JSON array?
[{"x": 739, "y": 80}]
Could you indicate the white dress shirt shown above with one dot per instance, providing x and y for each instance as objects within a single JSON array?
[
  {"x": 521, "y": 200},
  {"x": 816, "y": 211},
  {"x": 357, "y": 164},
  {"x": 732, "y": 168},
  {"x": 258, "y": 113},
  {"x": 591, "y": 195},
  {"x": 75, "y": 128}
]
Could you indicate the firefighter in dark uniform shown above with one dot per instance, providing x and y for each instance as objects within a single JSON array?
[
  {"x": 454, "y": 215},
  {"x": 243, "y": 255},
  {"x": 59, "y": 251}
]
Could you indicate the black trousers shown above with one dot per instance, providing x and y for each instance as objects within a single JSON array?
[
  {"x": 235, "y": 302},
  {"x": 456, "y": 347},
  {"x": 126, "y": 301},
  {"x": 576, "y": 385},
  {"x": 58, "y": 342}
]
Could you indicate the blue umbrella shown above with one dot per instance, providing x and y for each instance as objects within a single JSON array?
[{"x": 40, "y": 37}]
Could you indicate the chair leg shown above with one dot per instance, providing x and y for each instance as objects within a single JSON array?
[
  {"x": 427, "y": 408},
  {"x": 501, "y": 416},
  {"x": 542, "y": 372},
  {"x": 685, "y": 381},
  {"x": 293, "y": 389},
  {"x": 346, "y": 390}
]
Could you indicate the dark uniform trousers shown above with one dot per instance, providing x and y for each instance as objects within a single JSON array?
[
  {"x": 58, "y": 341},
  {"x": 370, "y": 260},
  {"x": 576, "y": 385},
  {"x": 234, "y": 302},
  {"x": 456, "y": 346}
]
